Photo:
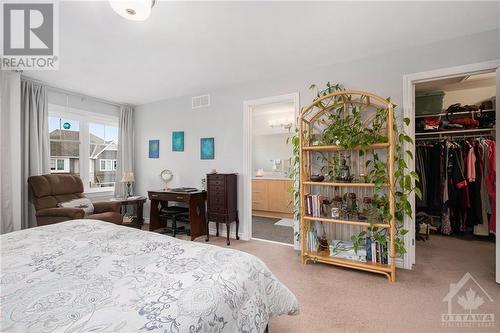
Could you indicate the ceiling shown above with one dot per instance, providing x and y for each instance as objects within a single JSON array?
[{"x": 187, "y": 48}]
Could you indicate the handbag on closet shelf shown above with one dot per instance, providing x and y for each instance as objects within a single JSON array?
[
  {"x": 460, "y": 122},
  {"x": 486, "y": 119}
]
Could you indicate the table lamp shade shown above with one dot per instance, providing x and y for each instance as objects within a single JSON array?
[{"x": 128, "y": 177}]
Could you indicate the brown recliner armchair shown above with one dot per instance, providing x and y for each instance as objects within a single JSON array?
[{"x": 50, "y": 190}]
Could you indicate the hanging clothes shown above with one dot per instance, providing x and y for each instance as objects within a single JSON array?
[
  {"x": 457, "y": 181},
  {"x": 491, "y": 182}
]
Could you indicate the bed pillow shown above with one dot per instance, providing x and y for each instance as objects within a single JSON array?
[{"x": 82, "y": 203}]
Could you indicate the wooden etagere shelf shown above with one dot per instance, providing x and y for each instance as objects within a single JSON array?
[
  {"x": 309, "y": 119},
  {"x": 324, "y": 257},
  {"x": 351, "y": 222},
  {"x": 340, "y": 148},
  {"x": 343, "y": 184}
]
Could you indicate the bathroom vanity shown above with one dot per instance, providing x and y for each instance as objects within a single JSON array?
[{"x": 271, "y": 197}]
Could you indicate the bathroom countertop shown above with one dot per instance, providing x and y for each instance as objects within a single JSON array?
[{"x": 271, "y": 178}]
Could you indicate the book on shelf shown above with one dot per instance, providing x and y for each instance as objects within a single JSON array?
[
  {"x": 313, "y": 204},
  {"x": 377, "y": 253},
  {"x": 312, "y": 241},
  {"x": 368, "y": 249}
]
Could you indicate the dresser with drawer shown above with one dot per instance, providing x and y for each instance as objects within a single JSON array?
[{"x": 222, "y": 201}]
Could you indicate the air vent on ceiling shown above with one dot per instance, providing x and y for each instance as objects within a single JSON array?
[{"x": 201, "y": 101}]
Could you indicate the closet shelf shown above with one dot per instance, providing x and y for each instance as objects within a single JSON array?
[
  {"x": 454, "y": 113},
  {"x": 340, "y": 148},
  {"x": 351, "y": 222},
  {"x": 456, "y": 132},
  {"x": 341, "y": 184},
  {"x": 324, "y": 256}
]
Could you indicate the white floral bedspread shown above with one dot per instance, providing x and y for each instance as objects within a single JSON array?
[{"x": 93, "y": 276}]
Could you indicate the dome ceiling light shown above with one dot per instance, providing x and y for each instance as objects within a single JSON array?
[{"x": 134, "y": 10}]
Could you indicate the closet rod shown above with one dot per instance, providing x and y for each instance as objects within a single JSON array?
[
  {"x": 456, "y": 132},
  {"x": 453, "y": 114},
  {"x": 463, "y": 136},
  {"x": 72, "y": 93}
]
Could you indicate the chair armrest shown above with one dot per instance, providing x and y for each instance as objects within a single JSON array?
[
  {"x": 106, "y": 206},
  {"x": 72, "y": 213}
]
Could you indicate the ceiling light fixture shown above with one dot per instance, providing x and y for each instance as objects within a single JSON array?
[{"x": 135, "y": 10}]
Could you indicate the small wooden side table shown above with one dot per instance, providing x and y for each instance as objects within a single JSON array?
[{"x": 138, "y": 201}]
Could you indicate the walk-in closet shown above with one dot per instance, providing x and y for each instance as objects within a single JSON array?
[{"x": 455, "y": 160}]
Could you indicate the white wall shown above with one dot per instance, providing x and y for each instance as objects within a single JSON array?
[
  {"x": 82, "y": 103},
  {"x": 270, "y": 147},
  {"x": 468, "y": 96},
  {"x": 382, "y": 75}
]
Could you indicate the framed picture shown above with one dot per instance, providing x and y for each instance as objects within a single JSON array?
[
  {"x": 154, "y": 148},
  {"x": 207, "y": 150},
  {"x": 178, "y": 141}
]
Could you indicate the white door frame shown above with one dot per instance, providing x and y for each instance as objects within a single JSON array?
[
  {"x": 409, "y": 82},
  {"x": 247, "y": 150}
]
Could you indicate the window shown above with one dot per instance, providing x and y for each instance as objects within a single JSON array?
[
  {"x": 59, "y": 165},
  {"x": 108, "y": 165},
  {"x": 77, "y": 133},
  {"x": 64, "y": 136},
  {"x": 103, "y": 151}
]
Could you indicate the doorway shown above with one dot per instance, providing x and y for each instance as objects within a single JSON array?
[
  {"x": 269, "y": 123},
  {"x": 452, "y": 112}
]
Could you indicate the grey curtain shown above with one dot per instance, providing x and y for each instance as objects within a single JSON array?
[
  {"x": 34, "y": 142},
  {"x": 9, "y": 107},
  {"x": 125, "y": 158}
]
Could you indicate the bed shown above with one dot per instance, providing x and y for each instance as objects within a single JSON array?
[{"x": 94, "y": 276}]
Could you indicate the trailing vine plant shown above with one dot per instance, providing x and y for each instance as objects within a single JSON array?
[
  {"x": 347, "y": 131},
  {"x": 294, "y": 175}
]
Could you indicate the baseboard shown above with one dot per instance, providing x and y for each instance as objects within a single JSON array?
[{"x": 276, "y": 215}]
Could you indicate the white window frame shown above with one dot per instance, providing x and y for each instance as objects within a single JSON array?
[{"x": 84, "y": 118}]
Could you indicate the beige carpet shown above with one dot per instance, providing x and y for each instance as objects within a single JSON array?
[{"x": 334, "y": 299}]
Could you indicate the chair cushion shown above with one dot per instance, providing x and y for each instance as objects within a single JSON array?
[
  {"x": 82, "y": 203},
  {"x": 49, "y": 190}
]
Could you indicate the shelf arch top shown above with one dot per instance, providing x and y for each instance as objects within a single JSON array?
[{"x": 363, "y": 98}]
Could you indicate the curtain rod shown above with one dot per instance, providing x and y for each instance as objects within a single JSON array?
[{"x": 69, "y": 92}]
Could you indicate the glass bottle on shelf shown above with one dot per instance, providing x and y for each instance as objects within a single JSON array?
[
  {"x": 380, "y": 215},
  {"x": 365, "y": 208},
  {"x": 336, "y": 207},
  {"x": 326, "y": 207},
  {"x": 352, "y": 206},
  {"x": 344, "y": 208}
]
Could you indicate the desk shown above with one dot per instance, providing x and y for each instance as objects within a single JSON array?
[{"x": 196, "y": 202}]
